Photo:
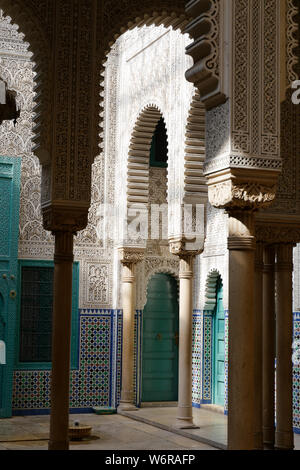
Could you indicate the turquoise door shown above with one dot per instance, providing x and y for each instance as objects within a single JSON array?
[
  {"x": 219, "y": 348},
  {"x": 10, "y": 168},
  {"x": 160, "y": 340}
]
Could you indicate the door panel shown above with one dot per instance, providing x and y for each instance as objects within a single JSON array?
[
  {"x": 10, "y": 168},
  {"x": 160, "y": 346},
  {"x": 219, "y": 349}
]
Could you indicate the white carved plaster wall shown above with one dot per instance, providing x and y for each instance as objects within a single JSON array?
[{"x": 152, "y": 65}]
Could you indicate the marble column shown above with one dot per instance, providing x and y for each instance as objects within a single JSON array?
[
  {"x": 284, "y": 438},
  {"x": 129, "y": 260},
  {"x": 258, "y": 313},
  {"x": 61, "y": 338},
  {"x": 185, "y": 412},
  {"x": 269, "y": 348},
  {"x": 179, "y": 247},
  {"x": 241, "y": 355}
]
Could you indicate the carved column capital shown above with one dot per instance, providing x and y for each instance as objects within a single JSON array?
[
  {"x": 130, "y": 256},
  {"x": 65, "y": 218},
  {"x": 180, "y": 247},
  {"x": 242, "y": 189}
]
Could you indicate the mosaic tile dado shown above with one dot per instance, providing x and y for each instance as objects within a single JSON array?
[
  {"x": 296, "y": 378},
  {"x": 226, "y": 362},
  {"x": 197, "y": 358},
  {"x": 97, "y": 382},
  {"x": 207, "y": 359},
  {"x": 91, "y": 384}
]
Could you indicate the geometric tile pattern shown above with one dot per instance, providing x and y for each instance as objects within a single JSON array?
[
  {"x": 98, "y": 379},
  {"x": 90, "y": 385},
  {"x": 197, "y": 358},
  {"x": 118, "y": 356},
  {"x": 207, "y": 358},
  {"x": 31, "y": 389},
  {"x": 296, "y": 378},
  {"x": 226, "y": 362}
]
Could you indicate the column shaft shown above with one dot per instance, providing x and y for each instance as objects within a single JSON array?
[
  {"x": 184, "y": 414},
  {"x": 269, "y": 348},
  {"x": 258, "y": 312},
  {"x": 284, "y": 438},
  {"x": 241, "y": 376},
  {"x": 61, "y": 338},
  {"x": 128, "y": 301}
]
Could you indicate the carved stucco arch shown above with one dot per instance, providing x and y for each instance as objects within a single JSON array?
[
  {"x": 138, "y": 163},
  {"x": 163, "y": 268},
  {"x": 211, "y": 290},
  {"x": 195, "y": 187},
  {"x": 204, "y": 28},
  {"x": 125, "y": 16},
  {"x": 30, "y": 19}
]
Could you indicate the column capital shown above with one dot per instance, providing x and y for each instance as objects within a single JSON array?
[
  {"x": 241, "y": 188},
  {"x": 180, "y": 247},
  {"x": 65, "y": 217},
  {"x": 131, "y": 255}
]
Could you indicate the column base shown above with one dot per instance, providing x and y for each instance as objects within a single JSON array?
[
  {"x": 268, "y": 438},
  {"x": 126, "y": 406},
  {"x": 284, "y": 440},
  {"x": 184, "y": 423}
]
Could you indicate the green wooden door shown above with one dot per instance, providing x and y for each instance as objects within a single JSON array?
[
  {"x": 219, "y": 348},
  {"x": 9, "y": 230},
  {"x": 160, "y": 340}
]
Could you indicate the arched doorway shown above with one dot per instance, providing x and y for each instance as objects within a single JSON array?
[
  {"x": 219, "y": 347},
  {"x": 160, "y": 339}
]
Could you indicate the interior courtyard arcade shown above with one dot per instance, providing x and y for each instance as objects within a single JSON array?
[{"x": 243, "y": 61}]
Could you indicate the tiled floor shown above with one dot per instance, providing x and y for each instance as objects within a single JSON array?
[{"x": 112, "y": 432}]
